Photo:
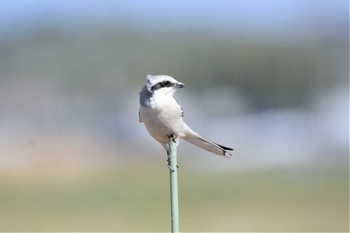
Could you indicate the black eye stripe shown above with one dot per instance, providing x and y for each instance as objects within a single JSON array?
[
  {"x": 156, "y": 87},
  {"x": 161, "y": 84},
  {"x": 167, "y": 84}
]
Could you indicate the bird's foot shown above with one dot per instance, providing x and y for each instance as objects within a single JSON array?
[{"x": 173, "y": 136}]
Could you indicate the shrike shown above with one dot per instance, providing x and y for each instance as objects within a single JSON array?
[{"x": 163, "y": 116}]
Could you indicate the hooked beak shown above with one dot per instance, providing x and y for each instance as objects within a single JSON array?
[{"x": 179, "y": 85}]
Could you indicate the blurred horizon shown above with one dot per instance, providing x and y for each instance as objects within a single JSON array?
[{"x": 268, "y": 78}]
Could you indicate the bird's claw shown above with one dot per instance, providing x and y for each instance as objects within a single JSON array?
[{"x": 173, "y": 136}]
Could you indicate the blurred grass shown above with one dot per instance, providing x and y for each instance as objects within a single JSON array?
[{"x": 137, "y": 199}]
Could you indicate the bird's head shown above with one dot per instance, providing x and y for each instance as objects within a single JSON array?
[{"x": 162, "y": 84}]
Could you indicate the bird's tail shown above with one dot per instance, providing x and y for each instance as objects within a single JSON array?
[{"x": 205, "y": 144}]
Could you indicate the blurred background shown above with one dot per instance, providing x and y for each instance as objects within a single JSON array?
[{"x": 269, "y": 78}]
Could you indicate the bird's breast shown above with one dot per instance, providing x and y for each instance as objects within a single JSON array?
[{"x": 162, "y": 119}]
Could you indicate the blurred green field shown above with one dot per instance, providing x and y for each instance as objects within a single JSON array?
[{"x": 137, "y": 199}]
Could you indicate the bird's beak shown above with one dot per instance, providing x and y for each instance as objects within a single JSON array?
[{"x": 179, "y": 85}]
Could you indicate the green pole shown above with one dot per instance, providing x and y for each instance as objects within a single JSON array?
[{"x": 173, "y": 184}]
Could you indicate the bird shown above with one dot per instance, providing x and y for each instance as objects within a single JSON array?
[{"x": 163, "y": 116}]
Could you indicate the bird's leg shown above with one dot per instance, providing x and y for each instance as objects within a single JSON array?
[{"x": 173, "y": 137}]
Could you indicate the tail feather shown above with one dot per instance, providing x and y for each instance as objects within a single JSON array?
[{"x": 205, "y": 144}]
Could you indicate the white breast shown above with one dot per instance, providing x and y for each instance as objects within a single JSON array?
[{"x": 162, "y": 118}]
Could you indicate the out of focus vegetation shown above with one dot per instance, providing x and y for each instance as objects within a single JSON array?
[
  {"x": 109, "y": 61},
  {"x": 137, "y": 200}
]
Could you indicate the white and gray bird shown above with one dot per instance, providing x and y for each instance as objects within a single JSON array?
[{"x": 163, "y": 116}]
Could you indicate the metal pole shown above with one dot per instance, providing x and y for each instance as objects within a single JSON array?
[{"x": 173, "y": 184}]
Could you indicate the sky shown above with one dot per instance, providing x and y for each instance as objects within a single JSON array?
[{"x": 257, "y": 16}]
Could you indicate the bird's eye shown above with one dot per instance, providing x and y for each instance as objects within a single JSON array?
[{"x": 167, "y": 83}]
